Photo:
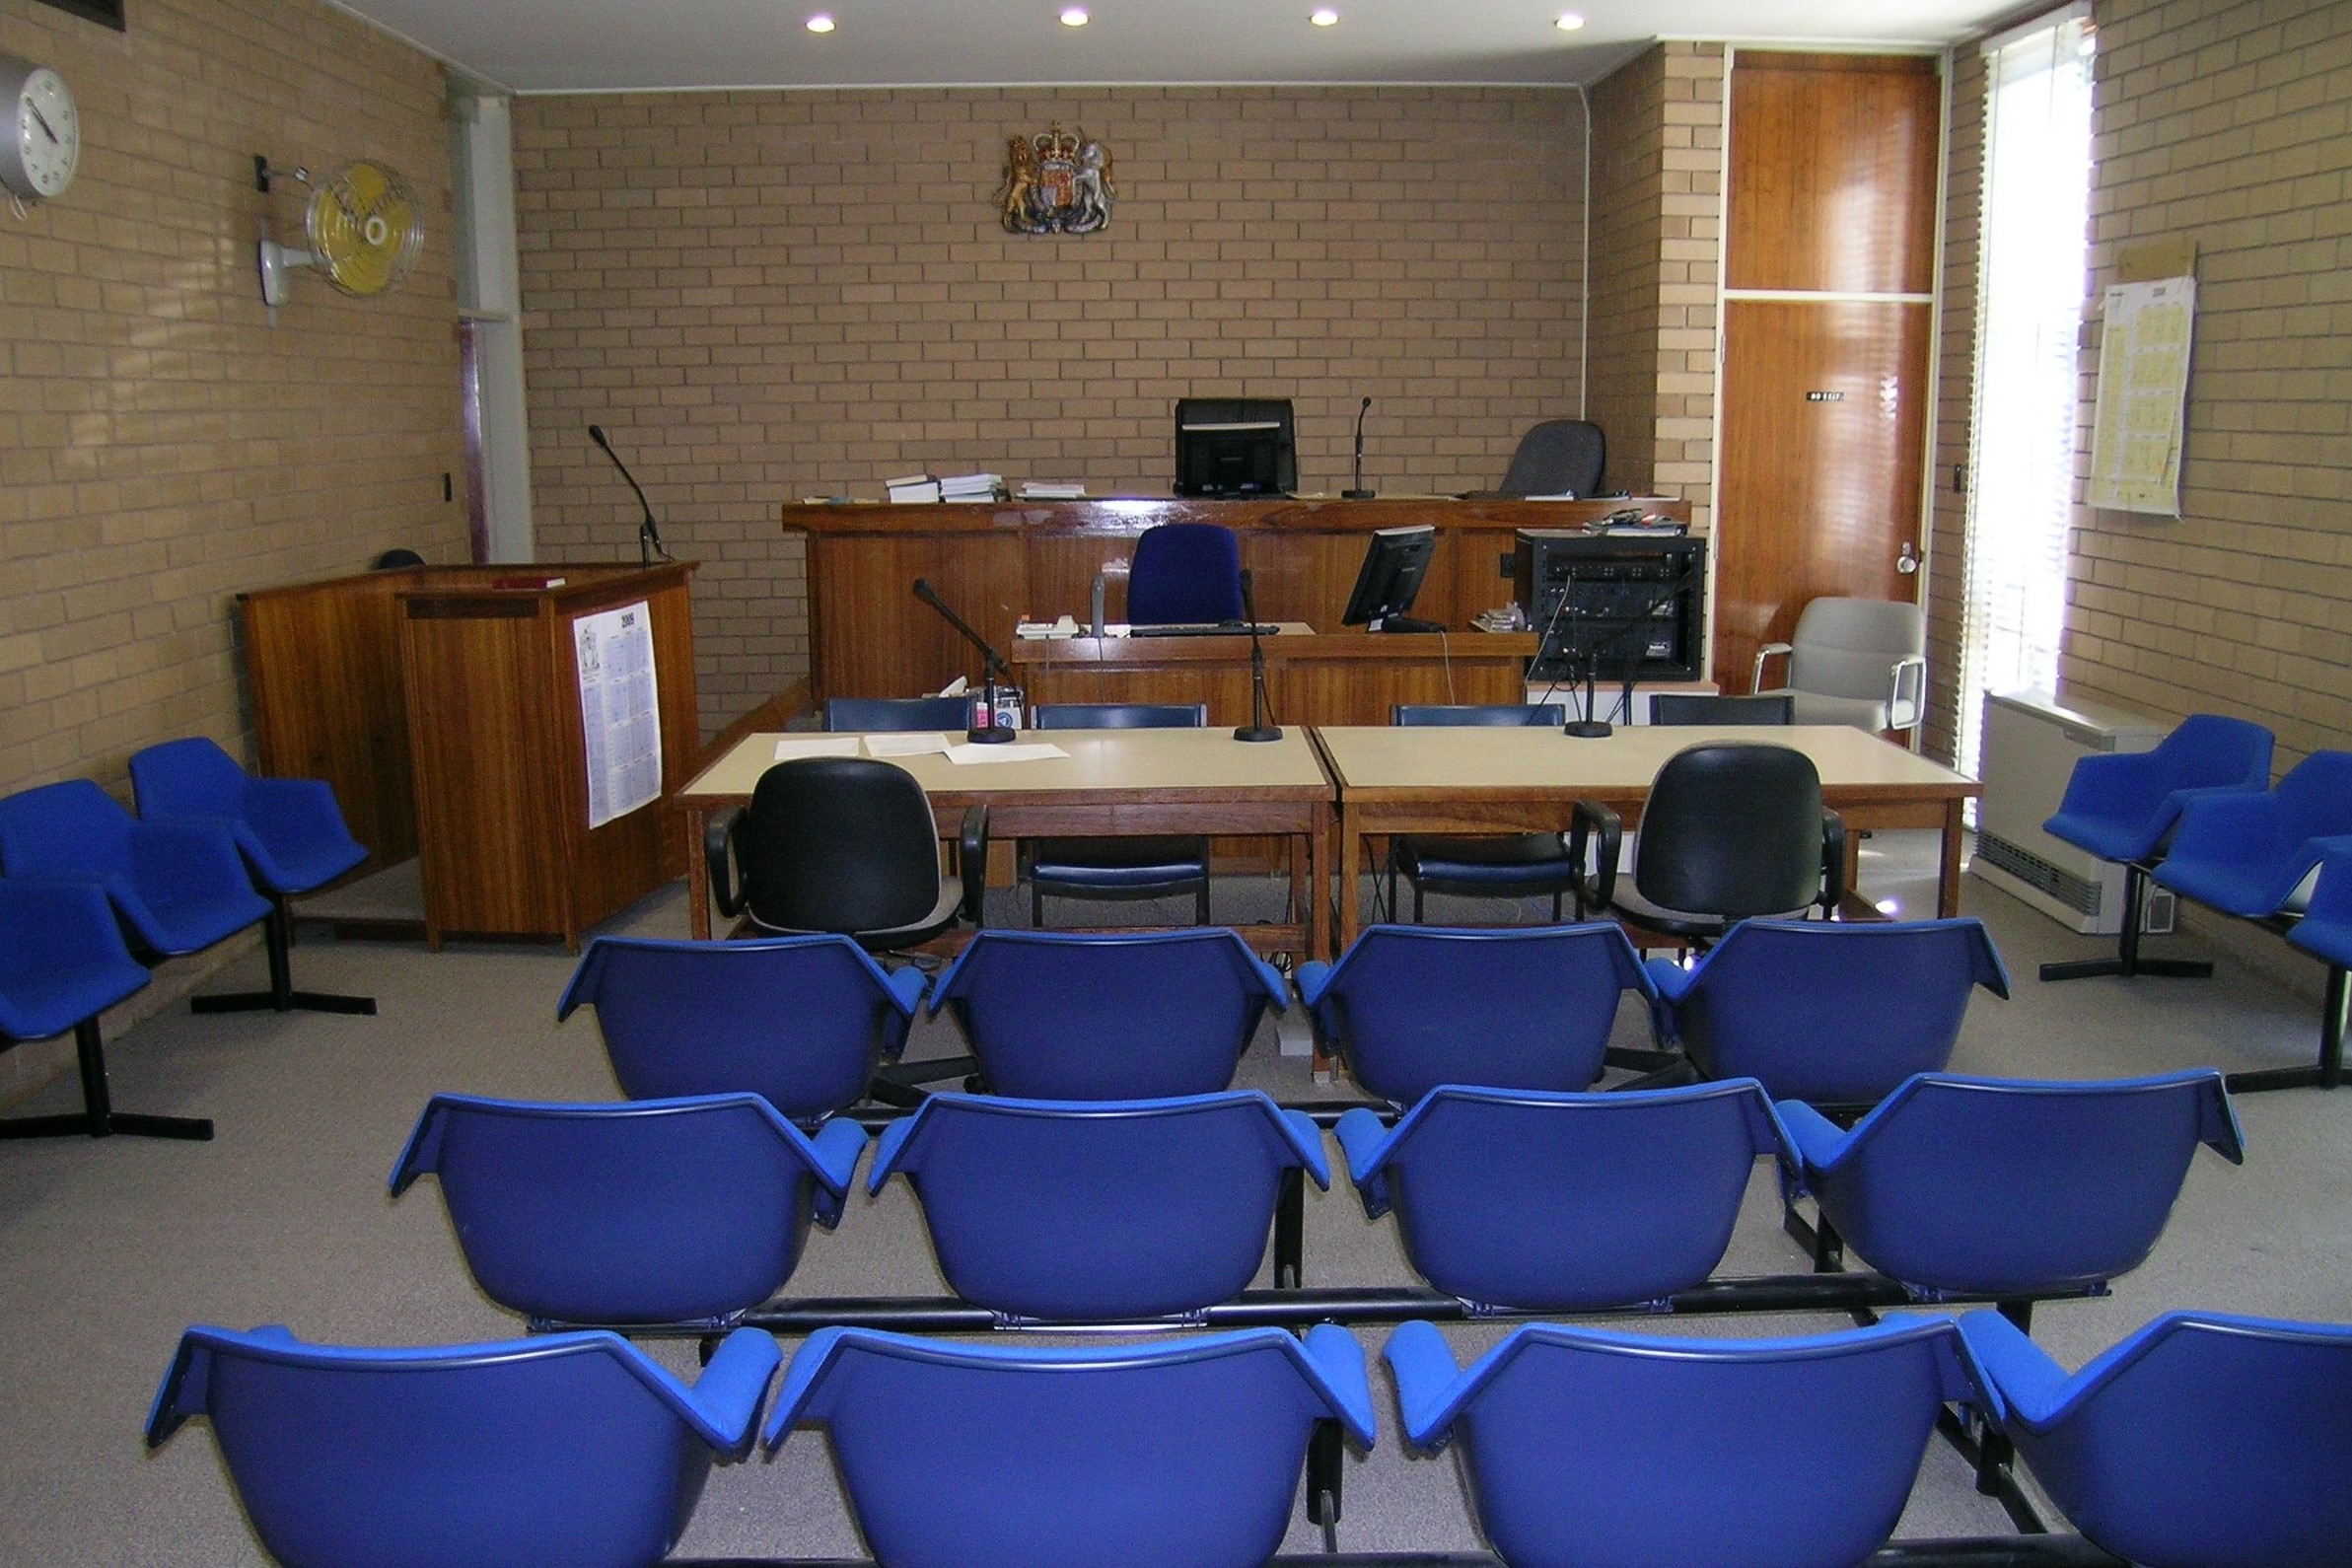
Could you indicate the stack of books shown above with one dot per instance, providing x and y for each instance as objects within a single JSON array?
[
  {"x": 973, "y": 487},
  {"x": 914, "y": 487}
]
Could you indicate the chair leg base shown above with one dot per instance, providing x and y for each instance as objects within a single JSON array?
[
  {"x": 192, "y": 1130},
  {"x": 2087, "y": 969},
  {"x": 2269, "y": 1078},
  {"x": 292, "y": 1002},
  {"x": 1639, "y": 1059}
]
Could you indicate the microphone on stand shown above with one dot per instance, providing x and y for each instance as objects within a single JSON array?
[
  {"x": 649, "y": 535},
  {"x": 984, "y": 730},
  {"x": 1256, "y": 729},
  {"x": 1359, "y": 493}
]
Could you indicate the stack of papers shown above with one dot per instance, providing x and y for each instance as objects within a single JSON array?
[
  {"x": 972, "y": 487},
  {"x": 914, "y": 487},
  {"x": 909, "y": 743},
  {"x": 1052, "y": 491}
]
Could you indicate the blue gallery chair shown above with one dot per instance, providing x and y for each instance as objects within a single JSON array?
[
  {"x": 2325, "y": 933},
  {"x": 1489, "y": 865},
  {"x": 805, "y": 1022},
  {"x": 62, "y": 963},
  {"x": 2124, "y": 805},
  {"x": 2202, "y": 1441},
  {"x": 1556, "y": 1202},
  {"x": 648, "y": 1212},
  {"x": 1184, "y": 573},
  {"x": 1408, "y": 1008},
  {"x": 290, "y": 832},
  {"x": 1827, "y": 1012},
  {"x": 178, "y": 887},
  {"x": 1103, "y": 1210},
  {"x": 1137, "y": 865},
  {"x": 2010, "y": 1189},
  {"x": 866, "y": 715},
  {"x": 1178, "y": 1454},
  {"x": 1603, "y": 1450},
  {"x": 574, "y": 1449},
  {"x": 1070, "y": 1015}
]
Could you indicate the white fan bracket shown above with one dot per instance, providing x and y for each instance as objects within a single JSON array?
[{"x": 276, "y": 263}]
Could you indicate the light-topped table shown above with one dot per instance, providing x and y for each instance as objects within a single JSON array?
[
  {"x": 1112, "y": 783},
  {"x": 1480, "y": 780}
]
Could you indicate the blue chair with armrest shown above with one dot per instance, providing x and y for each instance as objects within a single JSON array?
[
  {"x": 1136, "y": 866},
  {"x": 867, "y": 715},
  {"x": 2203, "y": 1439},
  {"x": 1182, "y": 1454},
  {"x": 1828, "y": 1012},
  {"x": 2010, "y": 1189},
  {"x": 1589, "y": 1448},
  {"x": 290, "y": 832},
  {"x": 62, "y": 963},
  {"x": 1184, "y": 573},
  {"x": 805, "y": 1022},
  {"x": 2123, "y": 806},
  {"x": 1557, "y": 1202},
  {"x": 1408, "y": 1008},
  {"x": 648, "y": 1212},
  {"x": 1489, "y": 865},
  {"x": 2325, "y": 933},
  {"x": 574, "y": 1449},
  {"x": 1103, "y": 1210},
  {"x": 1071, "y": 1015}
]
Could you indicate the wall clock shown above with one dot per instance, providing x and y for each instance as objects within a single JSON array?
[{"x": 44, "y": 138}]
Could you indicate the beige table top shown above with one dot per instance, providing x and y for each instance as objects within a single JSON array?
[
  {"x": 1473, "y": 758},
  {"x": 1102, "y": 762}
]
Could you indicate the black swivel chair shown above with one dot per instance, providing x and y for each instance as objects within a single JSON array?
[
  {"x": 844, "y": 844},
  {"x": 1136, "y": 867},
  {"x": 1693, "y": 707},
  {"x": 1730, "y": 828},
  {"x": 1499, "y": 866},
  {"x": 1559, "y": 457}
]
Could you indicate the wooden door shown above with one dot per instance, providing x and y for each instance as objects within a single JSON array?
[{"x": 1829, "y": 318}]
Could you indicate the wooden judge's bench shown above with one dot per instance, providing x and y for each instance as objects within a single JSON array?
[{"x": 1005, "y": 562}]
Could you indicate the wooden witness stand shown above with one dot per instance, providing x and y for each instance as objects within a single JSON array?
[{"x": 442, "y": 705}]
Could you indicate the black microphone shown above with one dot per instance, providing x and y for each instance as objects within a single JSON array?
[
  {"x": 978, "y": 732},
  {"x": 1359, "y": 493},
  {"x": 1256, "y": 729},
  {"x": 648, "y": 537}
]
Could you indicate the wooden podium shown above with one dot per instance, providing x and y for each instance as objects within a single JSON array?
[{"x": 444, "y": 705}]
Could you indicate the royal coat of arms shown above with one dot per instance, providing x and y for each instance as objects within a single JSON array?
[{"x": 1056, "y": 183}]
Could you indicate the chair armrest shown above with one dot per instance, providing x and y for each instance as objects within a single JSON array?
[
  {"x": 1424, "y": 1370},
  {"x": 732, "y": 1387},
  {"x": 718, "y": 851},
  {"x": 1340, "y": 1359},
  {"x": 1833, "y": 861},
  {"x": 1595, "y": 891},
  {"x": 2014, "y": 1374},
  {"x": 906, "y": 989},
  {"x": 1671, "y": 978},
  {"x": 837, "y": 1147},
  {"x": 1907, "y": 681},
  {"x": 1817, "y": 1138},
  {"x": 1756, "y": 678},
  {"x": 972, "y": 863},
  {"x": 1314, "y": 975}
]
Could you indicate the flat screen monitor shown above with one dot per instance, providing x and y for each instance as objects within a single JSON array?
[
  {"x": 1229, "y": 446},
  {"x": 1394, "y": 562}
]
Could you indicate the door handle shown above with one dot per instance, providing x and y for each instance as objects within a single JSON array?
[{"x": 1908, "y": 561}]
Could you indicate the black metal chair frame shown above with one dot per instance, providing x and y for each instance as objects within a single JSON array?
[{"x": 98, "y": 1118}]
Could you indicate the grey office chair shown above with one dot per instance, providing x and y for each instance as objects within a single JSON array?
[
  {"x": 1854, "y": 661},
  {"x": 1559, "y": 457}
]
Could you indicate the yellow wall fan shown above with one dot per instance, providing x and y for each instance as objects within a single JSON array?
[{"x": 364, "y": 231}]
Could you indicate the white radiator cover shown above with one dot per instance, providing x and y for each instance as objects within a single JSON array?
[{"x": 2030, "y": 744}]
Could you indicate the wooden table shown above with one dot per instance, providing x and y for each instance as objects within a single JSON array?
[
  {"x": 1114, "y": 782},
  {"x": 1517, "y": 780}
]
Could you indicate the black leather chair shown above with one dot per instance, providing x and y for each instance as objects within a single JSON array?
[
  {"x": 870, "y": 714},
  {"x": 1497, "y": 866},
  {"x": 844, "y": 844},
  {"x": 1694, "y": 707},
  {"x": 1135, "y": 867},
  {"x": 1559, "y": 457},
  {"x": 1730, "y": 828}
]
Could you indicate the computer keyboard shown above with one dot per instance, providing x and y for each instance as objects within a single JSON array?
[{"x": 1222, "y": 628}]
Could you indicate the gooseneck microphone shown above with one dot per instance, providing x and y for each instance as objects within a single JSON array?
[
  {"x": 983, "y": 728},
  {"x": 649, "y": 535},
  {"x": 1257, "y": 729},
  {"x": 1359, "y": 493}
]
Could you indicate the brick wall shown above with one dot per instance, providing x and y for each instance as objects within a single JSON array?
[
  {"x": 1955, "y": 383},
  {"x": 768, "y": 295}
]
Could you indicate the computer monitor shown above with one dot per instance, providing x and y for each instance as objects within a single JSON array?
[
  {"x": 1394, "y": 562},
  {"x": 1232, "y": 447}
]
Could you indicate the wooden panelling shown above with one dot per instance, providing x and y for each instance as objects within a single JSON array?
[
  {"x": 1340, "y": 677},
  {"x": 869, "y": 626},
  {"x": 1833, "y": 172},
  {"x": 1818, "y": 497}
]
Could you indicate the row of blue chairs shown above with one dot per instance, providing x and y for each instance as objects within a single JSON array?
[
  {"x": 91, "y": 894},
  {"x": 694, "y": 1212},
  {"x": 1816, "y": 1011},
  {"x": 2200, "y": 1439}
]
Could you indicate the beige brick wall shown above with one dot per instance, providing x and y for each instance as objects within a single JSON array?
[
  {"x": 1948, "y": 521},
  {"x": 1690, "y": 274},
  {"x": 162, "y": 447},
  {"x": 2225, "y": 123},
  {"x": 769, "y": 295}
]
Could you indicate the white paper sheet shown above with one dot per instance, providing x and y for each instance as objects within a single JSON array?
[
  {"x": 918, "y": 743},
  {"x": 620, "y": 717},
  {"x": 1016, "y": 751},
  {"x": 797, "y": 746}
]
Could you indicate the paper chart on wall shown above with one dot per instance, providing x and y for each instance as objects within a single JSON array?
[
  {"x": 2138, "y": 420},
  {"x": 619, "y": 717}
]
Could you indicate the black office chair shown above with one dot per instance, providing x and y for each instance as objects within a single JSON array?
[
  {"x": 844, "y": 844},
  {"x": 1692, "y": 707},
  {"x": 870, "y": 714},
  {"x": 1730, "y": 828},
  {"x": 1498, "y": 866},
  {"x": 1135, "y": 867},
  {"x": 1559, "y": 457}
]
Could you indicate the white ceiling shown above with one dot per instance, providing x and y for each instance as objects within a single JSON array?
[{"x": 587, "y": 45}]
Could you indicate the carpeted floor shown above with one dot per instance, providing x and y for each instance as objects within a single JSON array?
[{"x": 107, "y": 1250}]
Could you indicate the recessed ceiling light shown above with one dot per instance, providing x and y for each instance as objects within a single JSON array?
[
  {"x": 1073, "y": 17},
  {"x": 821, "y": 22},
  {"x": 1569, "y": 21},
  {"x": 1324, "y": 17}
]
